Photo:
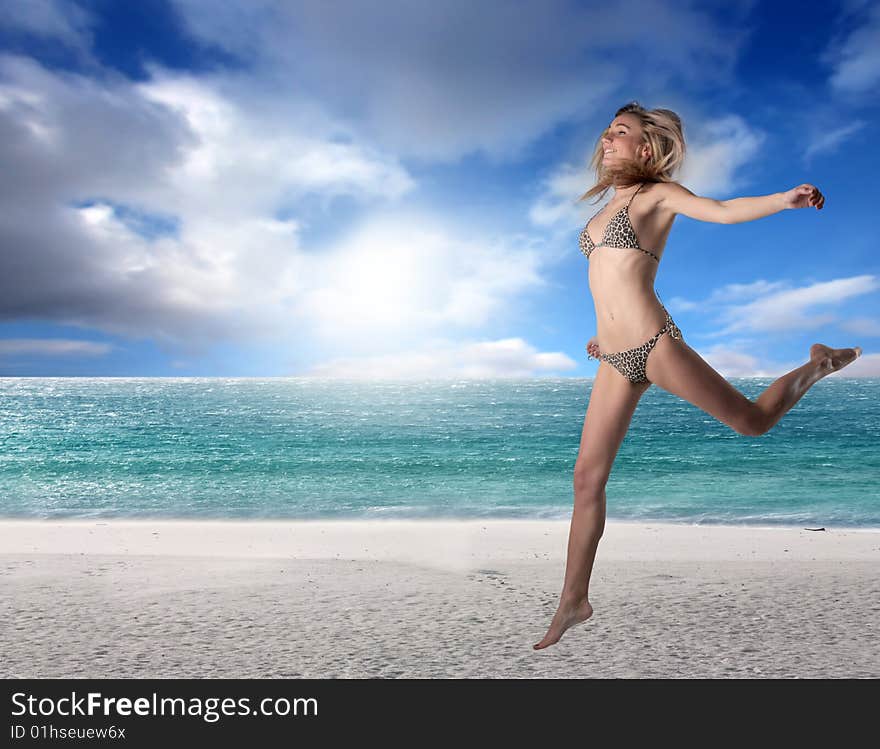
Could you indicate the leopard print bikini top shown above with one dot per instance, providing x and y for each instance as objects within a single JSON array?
[{"x": 618, "y": 233}]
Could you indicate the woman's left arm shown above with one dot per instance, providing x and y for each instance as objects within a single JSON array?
[{"x": 748, "y": 209}]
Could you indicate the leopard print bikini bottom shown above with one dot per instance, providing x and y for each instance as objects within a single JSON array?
[{"x": 632, "y": 362}]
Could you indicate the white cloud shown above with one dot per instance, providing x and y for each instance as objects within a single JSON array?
[
  {"x": 680, "y": 304},
  {"x": 735, "y": 292},
  {"x": 428, "y": 81},
  {"x": 229, "y": 270},
  {"x": 792, "y": 309},
  {"x": 222, "y": 163},
  {"x": 249, "y": 151},
  {"x": 867, "y": 365},
  {"x": 222, "y": 170},
  {"x": 719, "y": 148},
  {"x": 855, "y": 57},
  {"x": 468, "y": 76},
  {"x": 59, "y": 20},
  {"x": 53, "y": 347},
  {"x": 731, "y": 361},
  {"x": 399, "y": 277},
  {"x": 556, "y": 202},
  {"x": 506, "y": 358},
  {"x": 765, "y": 307},
  {"x": 827, "y": 142},
  {"x": 388, "y": 282},
  {"x": 862, "y": 326}
]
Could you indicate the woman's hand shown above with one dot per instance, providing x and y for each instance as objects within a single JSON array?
[
  {"x": 593, "y": 347},
  {"x": 804, "y": 196}
]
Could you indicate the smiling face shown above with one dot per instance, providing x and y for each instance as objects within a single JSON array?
[{"x": 623, "y": 140}]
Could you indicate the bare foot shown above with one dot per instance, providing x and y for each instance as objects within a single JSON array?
[
  {"x": 566, "y": 615},
  {"x": 832, "y": 359}
]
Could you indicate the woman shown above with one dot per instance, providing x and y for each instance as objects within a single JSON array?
[{"x": 637, "y": 341}]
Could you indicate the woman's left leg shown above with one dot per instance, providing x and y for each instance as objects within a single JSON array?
[{"x": 678, "y": 369}]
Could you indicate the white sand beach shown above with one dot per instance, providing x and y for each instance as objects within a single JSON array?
[{"x": 322, "y": 599}]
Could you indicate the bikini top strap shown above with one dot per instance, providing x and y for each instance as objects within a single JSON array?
[{"x": 634, "y": 194}]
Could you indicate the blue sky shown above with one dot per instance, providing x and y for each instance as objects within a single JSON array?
[{"x": 255, "y": 188}]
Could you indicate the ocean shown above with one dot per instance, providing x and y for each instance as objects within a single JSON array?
[{"x": 300, "y": 448}]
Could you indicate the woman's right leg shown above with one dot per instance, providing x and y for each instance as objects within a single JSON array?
[{"x": 613, "y": 401}]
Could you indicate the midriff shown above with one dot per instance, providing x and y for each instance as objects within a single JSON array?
[{"x": 628, "y": 311}]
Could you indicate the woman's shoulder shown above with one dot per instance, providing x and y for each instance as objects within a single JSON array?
[
  {"x": 677, "y": 199},
  {"x": 664, "y": 187},
  {"x": 665, "y": 190}
]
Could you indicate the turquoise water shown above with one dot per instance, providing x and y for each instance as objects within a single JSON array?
[{"x": 304, "y": 449}]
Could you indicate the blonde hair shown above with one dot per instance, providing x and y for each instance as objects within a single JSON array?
[{"x": 662, "y": 131}]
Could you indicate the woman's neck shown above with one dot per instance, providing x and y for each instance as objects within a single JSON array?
[{"x": 625, "y": 190}]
